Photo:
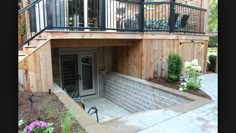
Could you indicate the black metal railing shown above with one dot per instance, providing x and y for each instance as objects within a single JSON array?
[
  {"x": 173, "y": 17},
  {"x": 190, "y": 19},
  {"x": 111, "y": 15},
  {"x": 156, "y": 16},
  {"x": 123, "y": 15},
  {"x": 70, "y": 15}
]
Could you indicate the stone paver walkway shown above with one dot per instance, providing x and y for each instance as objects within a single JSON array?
[{"x": 201, "y": 120}]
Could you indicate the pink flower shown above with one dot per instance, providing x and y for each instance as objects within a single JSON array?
[{"x": 32, "y": 125}]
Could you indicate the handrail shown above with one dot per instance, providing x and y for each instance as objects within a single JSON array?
[
  {"x": 95, "y": 111},
  {"x": 193, "y": 7},
  {"x": 28, "y": 6},
  {"x": 31, "y": 38}
]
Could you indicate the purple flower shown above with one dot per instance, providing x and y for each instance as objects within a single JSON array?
[{"x": 32, "y": 125}]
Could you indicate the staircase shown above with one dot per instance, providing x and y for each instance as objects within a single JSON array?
[
  {"x": 34, "y": 39},
  {"x": 32, "y": 46}
]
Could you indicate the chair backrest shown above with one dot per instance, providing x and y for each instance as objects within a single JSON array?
[
  {"x": 176, "y": 17},
  {"x": 184, "y": 20}
]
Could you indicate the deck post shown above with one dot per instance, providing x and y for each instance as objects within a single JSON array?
[
  {"x": 141, "y": 16},
  {"x": 172, "y": 12},
  {"x": 49, "y": 14},
  {"x": 103, "y": 15}
]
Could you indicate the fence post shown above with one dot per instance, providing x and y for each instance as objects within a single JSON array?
[
  {"x": 172, "y": 17},
  {"x": 142, "y": 16},
  {"x": 103, "y": 15}
]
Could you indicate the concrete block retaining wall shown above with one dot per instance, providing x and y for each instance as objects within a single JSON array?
[{"x": 137, "y": 95}]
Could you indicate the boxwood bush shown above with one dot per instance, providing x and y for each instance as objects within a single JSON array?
[
  {"x": 175, "y": 66},
  {"x": 212, "y": 65}
]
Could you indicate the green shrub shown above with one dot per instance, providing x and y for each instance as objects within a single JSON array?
[
  {"x": 212, "y": 64},
  {"x": 193, "y": 83},
  {"x": 213, "y": 41},
  {"x": 175, "y": 65}
]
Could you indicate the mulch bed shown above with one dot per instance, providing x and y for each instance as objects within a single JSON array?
[
  {"x": 47, "y": 106},
  {"x": 175, "y": 85}
]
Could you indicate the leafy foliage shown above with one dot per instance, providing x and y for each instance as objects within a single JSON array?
[
  {"x": 193, "y": 72},
  {"x": 212, "y": 65},
  {"x": 213, "y": 41},
  {"x": 22, "y": 27},
  {"x": 175, "y": 65},
  {"x": 213, "y": 16},
  {"x": 66, "y": 123}
]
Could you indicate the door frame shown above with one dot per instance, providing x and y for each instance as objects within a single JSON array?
[{"x": 96, "y": 64}]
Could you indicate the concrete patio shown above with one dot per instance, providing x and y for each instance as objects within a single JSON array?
[{"x": 107, "y": 110}]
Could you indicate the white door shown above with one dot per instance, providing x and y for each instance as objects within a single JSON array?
[{"x": 86, "y": 75}]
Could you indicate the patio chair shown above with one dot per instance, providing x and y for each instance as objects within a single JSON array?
[
  {"x": 176, "y": 17},
  {"x": 184, "y": 21}
]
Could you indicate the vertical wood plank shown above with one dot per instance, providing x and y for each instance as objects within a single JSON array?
[
  {"x": 144, "y": 59},
  {"x": 151, "y": 60},
  {"x": 155, "y": 52}
]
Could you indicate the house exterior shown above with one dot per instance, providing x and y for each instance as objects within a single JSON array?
[{"x": 75, "y": 43}]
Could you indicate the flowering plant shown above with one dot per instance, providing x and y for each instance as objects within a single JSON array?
[
  {"x": 39, "y": 127},
  {"x": 193, "y": 71}
]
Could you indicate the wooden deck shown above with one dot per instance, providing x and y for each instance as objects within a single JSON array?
[{"x": 141, "y": 55}]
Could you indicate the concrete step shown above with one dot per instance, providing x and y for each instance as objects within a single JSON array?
[{"x": 138, "y": 121}]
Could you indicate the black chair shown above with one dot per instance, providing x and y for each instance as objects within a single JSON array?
[
  {"x": 184, "y": 20},
  {"x": 176, "y": 17}
]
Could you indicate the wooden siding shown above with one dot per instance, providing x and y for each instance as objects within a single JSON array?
[
  {"x": 62, "y": 43},
  {"x": 127, "y": 59},
  {"x": 142, "y": 58},
  {"x": 156, "y": 53},
  {"x": 35, "y": 71},
  {"x": 147, "y": 59}
]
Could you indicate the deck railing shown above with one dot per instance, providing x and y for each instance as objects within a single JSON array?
[
  {"x": 111, "y": 15},
  {"x": 33, "y": 20}
]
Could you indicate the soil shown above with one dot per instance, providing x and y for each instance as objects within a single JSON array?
[
  {"x": 47, "y": 107},
  {"x": 175, "y": 85}
]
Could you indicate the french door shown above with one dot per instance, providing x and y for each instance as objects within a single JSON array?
[
  {"x": 86, "y": 72},
  {"x": 78, "y": 74}
]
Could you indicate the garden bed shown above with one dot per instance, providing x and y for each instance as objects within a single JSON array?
[
  {"x": 48, "y": 107},
  {"x": 175, "y": 85}
]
